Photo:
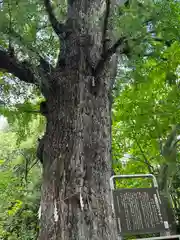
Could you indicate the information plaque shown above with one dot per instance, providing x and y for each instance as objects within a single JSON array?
[{"x": 139, "y": 210}]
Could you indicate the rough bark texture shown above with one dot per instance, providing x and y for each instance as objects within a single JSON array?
[
  {"x": 76, "y": 198},
  {"x": 77, "y": 165}
]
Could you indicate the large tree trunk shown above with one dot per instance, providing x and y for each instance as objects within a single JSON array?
[
  {"x": 77, "y": 166},
  {"x": 76, "y": 198}
]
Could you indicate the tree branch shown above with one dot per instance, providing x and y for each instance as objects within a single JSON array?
[
  {"x": 58, "y": 27},
  {"x": 22, "y": 70},
  {"x": 143, "y": 154},
  {"x": 122, "y": 40},
  {"x": 168, "y": 43},
  {"x": 149, "y": 166},
  {"x": 105, "y": 56},
  {"x": 113, "y": 49},
  {"x": 20, "y": 40}
]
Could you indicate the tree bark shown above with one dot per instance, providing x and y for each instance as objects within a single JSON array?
[{"x": 76, "y": 198}]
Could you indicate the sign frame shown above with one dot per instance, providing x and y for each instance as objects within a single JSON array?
[{"x": 162, "y": 226}]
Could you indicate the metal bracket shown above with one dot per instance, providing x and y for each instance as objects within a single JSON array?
[{"x": 133, "y": 176}]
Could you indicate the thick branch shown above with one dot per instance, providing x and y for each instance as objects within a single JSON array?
[
  {"x": 43, "y": 63},
  {"x": 107, "y": 55},
  {"x": 22, "y": 70},
  {"x": 122, "y": 40},
  {"x": 113, "y": 49},
  {"x": 58, "y": 27}
]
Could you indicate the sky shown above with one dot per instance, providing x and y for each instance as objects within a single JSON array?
[{"x": 3, "y": 123}]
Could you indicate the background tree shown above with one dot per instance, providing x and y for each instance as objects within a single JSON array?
[
  {"x": 19, "y": 184},
  {"x": 147, "y": 109}
]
